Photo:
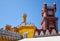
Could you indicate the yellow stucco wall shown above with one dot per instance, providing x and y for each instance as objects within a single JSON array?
[{"x": 29, "y": 29}]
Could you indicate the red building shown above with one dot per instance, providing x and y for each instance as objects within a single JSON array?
[{"x": 49, "y": 21}]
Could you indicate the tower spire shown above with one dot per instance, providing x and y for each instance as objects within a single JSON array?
[{"x": 24, "y": 18}]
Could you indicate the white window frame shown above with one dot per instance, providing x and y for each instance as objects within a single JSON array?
[{"x": 51, "y": 24}]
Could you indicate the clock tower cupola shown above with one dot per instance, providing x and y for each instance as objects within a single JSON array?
[{"x": 49, "y": 21}]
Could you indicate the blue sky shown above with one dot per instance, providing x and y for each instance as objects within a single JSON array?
[{"x": 11, "y": 11}]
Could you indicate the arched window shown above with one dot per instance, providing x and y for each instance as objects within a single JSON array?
[
  {"x": 50, "y": 12},
  {"x": 53, "y": 32},
  {"x": 41, "y": 33},
  {"x": 26, "y": 35},
  {"x": 47, "y": 32},
  {"x": 51, "y": 24},
  {"x": 36, "y": 33}
]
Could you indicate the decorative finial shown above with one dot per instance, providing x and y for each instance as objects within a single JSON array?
[
  {"x": 44, "y": 2},
  {"x": 54, "y": 3},
  {"x": 24, "y": 17},
  {"x": 54, "y": 6}
]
